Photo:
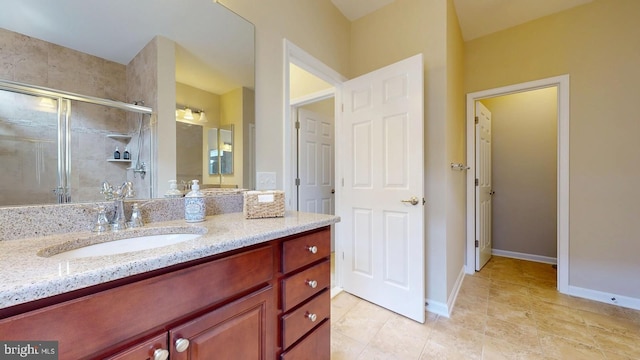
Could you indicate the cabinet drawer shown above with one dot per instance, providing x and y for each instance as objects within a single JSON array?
[
  {"x": 297, "y": 288},
  {"x": 316, "y": 346},
  {"x": 299, "y": 322},
  {"x": 304, "y": 250}
]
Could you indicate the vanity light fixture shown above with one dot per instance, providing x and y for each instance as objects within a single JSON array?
[{"x": 203, "y": 117}]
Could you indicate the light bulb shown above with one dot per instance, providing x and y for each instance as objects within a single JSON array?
[{"x": 188, "y": 114}]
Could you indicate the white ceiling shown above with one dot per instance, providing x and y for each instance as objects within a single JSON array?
[
  {"x": 477, "y": 17},
  {"x": 117, "y": 30},
  {"x": 355, "y": 9}
]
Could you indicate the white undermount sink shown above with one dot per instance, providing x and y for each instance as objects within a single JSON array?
[{"x": 125, "y": 245}]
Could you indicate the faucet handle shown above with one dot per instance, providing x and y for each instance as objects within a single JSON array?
[
  {"x": 129, "y": 190},
  {"x": 102, "y": 223},
  {"x": 136, "y": 216}
]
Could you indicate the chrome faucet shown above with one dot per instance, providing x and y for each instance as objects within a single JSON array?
[{"x": 119, "y": 221}]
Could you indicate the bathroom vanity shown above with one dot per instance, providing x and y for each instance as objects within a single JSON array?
[{"x": 247, "y": 289}]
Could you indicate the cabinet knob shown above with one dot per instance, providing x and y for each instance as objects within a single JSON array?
[
  {"x": 160, "y": 354},
  {"x": 313, "y": 249},
  {"x": 182, "y": 345},
  {"x": 311, "y": 316},
  {"x": 312, "y": 284}
]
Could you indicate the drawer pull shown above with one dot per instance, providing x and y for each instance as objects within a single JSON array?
[
  {"x": 313, "y": 249},
  {"x": 312, "y": 283},
  {"x": 311, "y": 316},
  {"x": 182, "y": 345},
  {"x": 160, "y": 354}
]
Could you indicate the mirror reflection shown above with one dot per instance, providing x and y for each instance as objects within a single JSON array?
[
  {"x": 221, "y": 151},
  {"x": 213, "y": 75}
]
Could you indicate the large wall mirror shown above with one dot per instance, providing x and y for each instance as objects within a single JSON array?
[{"x": 117, "y": 50}]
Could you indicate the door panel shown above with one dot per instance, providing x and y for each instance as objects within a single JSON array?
[
  {"x": 383, "y": 236},
  {"x": 483, "y": 190},
  {"x": 316, "y": 171}
]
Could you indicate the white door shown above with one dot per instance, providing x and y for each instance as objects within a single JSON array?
[
  {"x": 483, "y": 185},
  {"x": 315, "y": 162},
  {"x": 382, "y": 195}
]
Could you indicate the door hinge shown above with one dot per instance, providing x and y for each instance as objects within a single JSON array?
[
  {"x": 298, "y": 182},
  {"x": 477, "y": 120},
  {"x": 476, "y": 181},
  {"x": 297, "y": 124},
  {"x": 342, "y": 182},
  {"x": 477, "y": 243},
  {"x": 342, "y": 107}
]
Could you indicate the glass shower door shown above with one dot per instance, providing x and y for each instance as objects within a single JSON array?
[{"x": 29, "y": 151}]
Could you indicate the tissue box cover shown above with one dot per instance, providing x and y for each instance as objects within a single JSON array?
[{"x": 263, "y": 204}]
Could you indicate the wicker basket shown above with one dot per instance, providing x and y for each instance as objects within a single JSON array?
[{"x": 263, "y": 204}]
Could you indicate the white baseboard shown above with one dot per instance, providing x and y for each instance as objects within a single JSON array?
[
  {"x": 443, "y": 309},
  {"x": 438, "y": 308},
  {"x": 335, "y": 291},
  {"x": 523, "y": 256},
  {"x": 608, "y": 298}
]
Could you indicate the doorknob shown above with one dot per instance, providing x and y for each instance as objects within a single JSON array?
[{"x": 412, "y": 201}]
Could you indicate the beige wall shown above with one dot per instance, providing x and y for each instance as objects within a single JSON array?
[
  {"x": 317, "y": 27},
  {"x": 302, "y": 83},
  {"x": 395, "y": 32},
  {"x": 596, "y": 44},
  {"x": 524, "y": 151},
  {"x": 455, "y": 153}
]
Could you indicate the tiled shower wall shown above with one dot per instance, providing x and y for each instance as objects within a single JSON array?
[
  {"x": 142, "y": 85},
  {"x": 32, "y": 61}
]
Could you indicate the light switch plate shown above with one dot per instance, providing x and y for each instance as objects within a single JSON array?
[{"x": 266, "y": 181}]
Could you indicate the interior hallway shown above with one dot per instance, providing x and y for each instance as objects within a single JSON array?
[{"x": 509, "y": 310}]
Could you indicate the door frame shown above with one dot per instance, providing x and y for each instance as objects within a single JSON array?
[
  {"x": 294, "y": 54},
  {"x": 562, "y": 84}
]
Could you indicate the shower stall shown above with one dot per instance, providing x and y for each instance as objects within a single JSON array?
[{"x": 58, "y": 147}]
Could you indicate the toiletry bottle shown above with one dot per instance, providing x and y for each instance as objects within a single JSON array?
[
  {"x": 194, "y": 205},
  {"x": 173, "y": 191},
  {"x": 126, "y": 155},
  {"x": 116, "y": 154}
]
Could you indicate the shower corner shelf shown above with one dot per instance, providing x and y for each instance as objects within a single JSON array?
[
  {"x": 120, "y": 137},
  {"x": 119, "y": 160}
]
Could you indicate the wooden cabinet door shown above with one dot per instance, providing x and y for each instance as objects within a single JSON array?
[
  {"x": 152, "y": 349},
  {"x": 243, "y": 329}
]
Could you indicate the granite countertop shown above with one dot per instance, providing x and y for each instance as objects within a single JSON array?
[{"x": 27, "y": 276}]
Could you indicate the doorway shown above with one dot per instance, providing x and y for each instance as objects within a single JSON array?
[
  {"x": 562, "y": 204},
  {"x": 297, "y": 59},
  {"x": 315, "y": 159}
]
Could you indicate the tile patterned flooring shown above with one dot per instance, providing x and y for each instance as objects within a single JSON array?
[{"x": 509, "y": 310}]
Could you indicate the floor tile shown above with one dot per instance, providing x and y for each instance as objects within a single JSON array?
[{"x": 509, "y": 310}]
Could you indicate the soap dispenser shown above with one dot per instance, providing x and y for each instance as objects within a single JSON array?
[
  {"x": 194, "y": 205},
  {"x": 173, "y": 191}
]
